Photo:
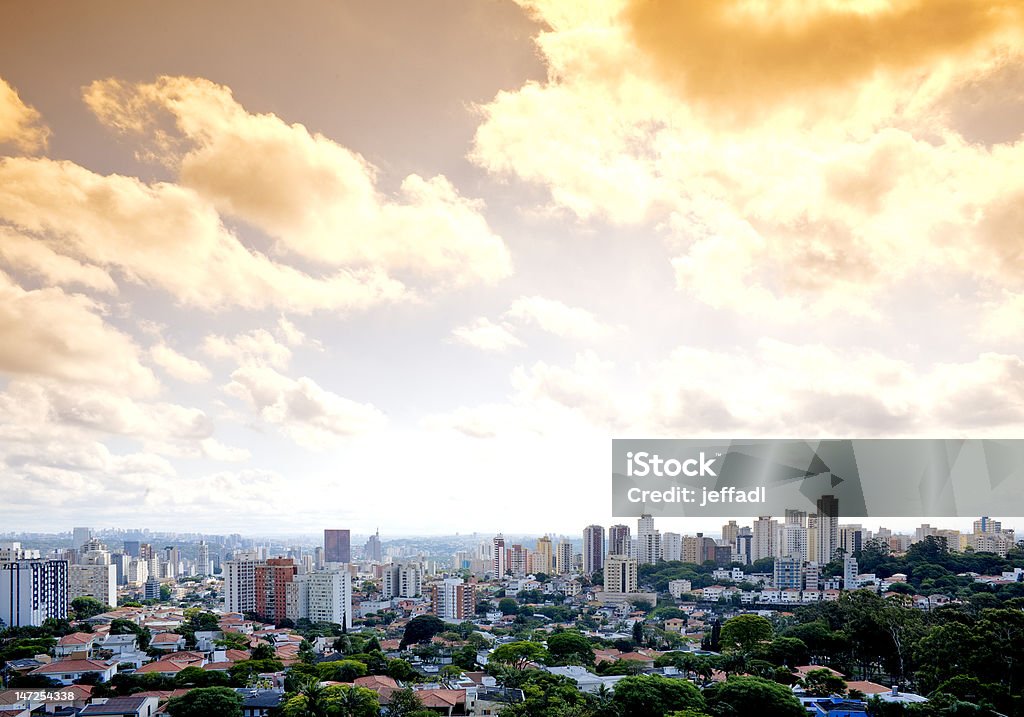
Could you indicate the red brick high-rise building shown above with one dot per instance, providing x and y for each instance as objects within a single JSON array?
[{"x": 271, "y": 583}]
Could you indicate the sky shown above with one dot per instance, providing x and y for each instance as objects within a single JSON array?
[{"x": 268, "y": 268}]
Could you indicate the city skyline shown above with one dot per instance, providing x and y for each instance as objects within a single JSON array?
[{"x": 379, "y": 264}]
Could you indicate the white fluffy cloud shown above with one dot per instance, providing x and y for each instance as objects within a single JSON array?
[
  {"x": 20, "y": 123},
  {"x": 484, "y": 334},
  {"x": 300, "y": 408},
  {"x": 48, "y": 332},
  {"x": 558, "y": 318},
  {"x": 178, "y": 365},
  {"x": 838, "y": 189},
  {"x": 316, "y": 197}
]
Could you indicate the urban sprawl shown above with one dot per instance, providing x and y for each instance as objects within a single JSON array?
[{"x": 799, "y": 615}]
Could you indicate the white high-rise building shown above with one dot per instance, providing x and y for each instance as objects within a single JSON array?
[
  {"x": 499, "y": 557},
  {"x": 794, "y": 542},
  {"x": 138, "y": 572},
  {"x": 850, "y": 573},
  {"x": 671, "y": 546},
  {"x": 402, "y": 580},
  {"x": 240, "y": 582},
  {"x": 32, "y": 591},
  {"x": 763, "y": 542},
  {"x": 620, "y": 574},
  {"x": 648, "y": 541},
  {"x": 563, "y": 558},
  {"x": 324, "y": 596},
  {"x": 203, "y": 567},
  {"x": 95, "y": 581}
]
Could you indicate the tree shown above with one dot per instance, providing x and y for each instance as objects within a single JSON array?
[
  {"x": 508, "y": 606},
  {"x": 518, "y": 654},
  {"x": 743, "y": 633},
  {"x": 206, "y": 702},
  {"x": 570, "y": 648},
  {"x": 824, "y": 683},
  {"x": 638, "y": 633},
  {"x": 335, "y": 701},
  {"x": 165, "y": 593},
  {"x": 263, "y": 651},
  {"x": 654, "y": 696},
  {"x": 341, "y": 670},
  {"x": 86, "y": 607},
  {"x": 740, "y": 695},
  {"x": 405, "y": 703},
  {"x": 421, "y": 629}
]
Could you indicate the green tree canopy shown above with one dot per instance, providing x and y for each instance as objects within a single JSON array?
[
  {"x": 655, "y": 696},
  {"x": 206, "y": 702},
  {"x": 745, "y": 632},
  {"x": 570, "y": 648},
  {"x": 741, "y": 695}
]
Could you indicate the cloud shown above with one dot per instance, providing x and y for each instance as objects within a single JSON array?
[
  {"x": 48, "y": 332},
  {"x": 318, "y": 199},
  {"x": 746, "y": 54},
  {"x": 300, "y": 408},
  {"x": 484, "y": 334},
  {"x": 806, "y": 205},
  {"x": 20, "y": 123},
  {"x": 558, "y": 318},
  {"x": 775, "y": 389},
  {"x": 27, "y": 255},
  {"x": 166, "y": 236},
  {"x": 177, "y": 365},
  {"x": 258, "y": 347}
]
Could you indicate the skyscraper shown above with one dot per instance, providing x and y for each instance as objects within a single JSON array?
[
  {"x": 763, "y": 545},
  {"x": 80, "y": 536},
  {"x": 499, "y": 558},
  {"x": 203, "y": 566},
  {"x": 618, "y": 540},
  {"x": 337, "y": 546},
  {"x": 453, "y": 600},
  {"x": 648, "y": 540},
  {"x": 32, "y": 591},
  {"x": 372, "y": 551},
  {"x": 547, "y": 556},
  {"x": 593, "y": 549},
  {"x": 828, "y": 529},
  {"x": 563, "y": 558}
]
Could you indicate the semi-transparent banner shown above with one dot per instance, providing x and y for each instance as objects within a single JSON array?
[{"x": 857, "y": 478}]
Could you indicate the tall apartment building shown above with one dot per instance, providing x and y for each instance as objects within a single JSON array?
[
  {"x": 671, "y": 546},
  {"x": 323, "y": 596},
  {"x": 620, "y": 574},
  {"x": 203, "y": 565},
  {"x": 32, "y": 591},
  {"x": 337, "y": 546},
  {"x": 240, "y": 582},
  {"x": 743, "y": 550},
  {"x": 453, "y": 600},
  {"x": 593, "y": 549},
  {"x": 828, "y": 529},
  {"x": 499, "y": 557},
  {"x": 546, "y": 563},
  {"x": 763, "y": 545},
  {"x": 95, "y": 581},
  {"x": 794, "y": 542},
  {"x": 730, "y": 531},
  {"x": 138, "y": 572},
  {"x": 564, "y": 558},
  {"x": 271, "y": 578},
  {"x": 850, "y": 570},
  {"x": 618, "y": 540},
  {"x": 518, "y": 560},
  {"x": 851, "y": 539},
  {"x": 402, "y": 580},
  {"x": 648, "y": 541},
  {"x": 787, "y": 574}
]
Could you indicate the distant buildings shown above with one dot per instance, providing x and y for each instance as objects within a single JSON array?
[
  {"x": 648, "y": 541},
  {"x": 402, "y": 580},
  {"x": 564, "y": 558},
  {"x": 618, "y": 540},
  {"x": 95, "y": 581},
  {"x": 373, "y": 551},
  {"x": 499, "y": 557}
]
